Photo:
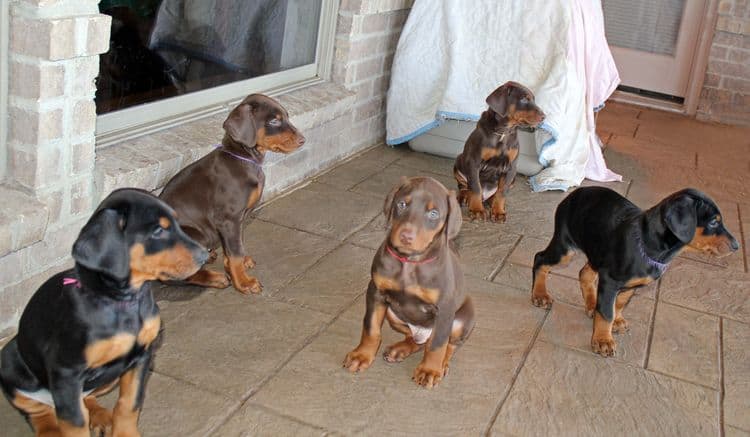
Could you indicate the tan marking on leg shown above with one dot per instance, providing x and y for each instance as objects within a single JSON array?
[
  {"x": 149, "y": 331},
  {"x": 429, "y": 372},
  {"x": 100, "y": 418},
  {"x": 125, "y": 416},
  {"x": 638, "y": 282},
  {"x": 242, "y": 282},
  {"x": 364, "y": 354},
  {"x": 539, "y": 295},
  {"x": 41, "y": 416},
  {"x": 428, "y": 295},
  {"x": 602, "y": 341},
  {"x": 587, "y": 278},
  {"x": 476, "y": 207},
  {"x": 209, "y": 278},
  {"x": 384, "y": 283},
  {"x": 620, "y": 324}
]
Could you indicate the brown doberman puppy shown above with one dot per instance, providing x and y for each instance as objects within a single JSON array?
[
  {"x": 487, "y": 167},
  {"x": 417, "y": 283},
  {"x": 92, "y": 328},
  {"x": 213, "y": 195}
]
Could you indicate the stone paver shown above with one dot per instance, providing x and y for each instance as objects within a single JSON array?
[
  {"x": 253, "y": 420},
  {"x": 380, "y": 184},
  {"x": 562, "y": 392},
  {"x": 707, "y": 288},
  {"x": 331, "y": 285},
  {"x": 686, "y": 345},
  {"x": 239, "y": 340},
  {"x": 383, "y": 399},
  {"x": 736, "y": 374},
  {"x": 482, "y": 246}
]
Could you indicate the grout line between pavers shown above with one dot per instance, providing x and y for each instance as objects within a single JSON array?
[
  {"x": 517, "y": 372},
  {"x": 288, "y": 417},
  {"x": 496, "y": 270},
  {"x": 696, "y": 160},
  {"x": 745, "y": 252},
  {"x": 722, "y": 391},
  {"x": 627, "y": 190},
  {"x": 635, "y": 132},
  {"x": 650, "y": 338},
  {"x": 306, "y": 342},
  {"x": 678, "y": 378}
]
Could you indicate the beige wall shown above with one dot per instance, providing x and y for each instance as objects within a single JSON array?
[{"x": 726, "y": 90}]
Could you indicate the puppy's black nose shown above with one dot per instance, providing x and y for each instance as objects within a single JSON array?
[
  {"x": 406, "y": 236},
  {"x": 301, "y": 141}
]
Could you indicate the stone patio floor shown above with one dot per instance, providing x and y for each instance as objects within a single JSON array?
[{"x": 271, "y": 364}]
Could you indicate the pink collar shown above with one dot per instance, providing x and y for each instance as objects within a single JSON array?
[
  {"x": 236, "y": 156},
  {"x": 405, "y": 260},
  {"x": 72, "y": 281}
]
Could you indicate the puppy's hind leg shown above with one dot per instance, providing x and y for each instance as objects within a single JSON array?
[{"x": 557, "y": 253}]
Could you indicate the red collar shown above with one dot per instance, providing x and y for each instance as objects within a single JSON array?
[{"x": 405, "y": 260}]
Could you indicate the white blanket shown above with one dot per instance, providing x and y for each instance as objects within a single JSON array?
[{"x": 453, "y": 53}]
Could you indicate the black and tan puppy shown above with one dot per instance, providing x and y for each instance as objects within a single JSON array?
[
  {"x": 487, "y": 167},
  {"x": 417, "y": 283},
  {"x": 91, "y": 328},
  {"x": 626, "y": 248},
  {"x": 213, "y": 195}
]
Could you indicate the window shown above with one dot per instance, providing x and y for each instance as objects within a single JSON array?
[{"x": 174, "y": 60}]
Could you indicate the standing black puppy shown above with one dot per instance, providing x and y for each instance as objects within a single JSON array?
[
  {"x": 487, "y": 167},
  {"x": 90, "y": 328},
  {"x": 626, "y": 248}
]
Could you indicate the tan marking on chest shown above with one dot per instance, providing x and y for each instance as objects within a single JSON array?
[
  {"x": 149, "y": 331},
  {"x": 428, "y": 295},
  {"x": 489, "y": 153},
  {"x": 385, "y": 283},
  {"x": 638, "y": 282},
  {"x": 104, "y": 351},
  {"x": 254, "y": 197}
]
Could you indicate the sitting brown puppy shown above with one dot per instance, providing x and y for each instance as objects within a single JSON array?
[
  {"x": 213, "y": 195},
  {"x": 417, "y": 283},
  {"x": 487, "y": 167}
]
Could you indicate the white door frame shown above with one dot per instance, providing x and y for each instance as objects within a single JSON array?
[{"x": 697, "y": 70}]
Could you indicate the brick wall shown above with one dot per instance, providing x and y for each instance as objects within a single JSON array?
[
  {"x": 55, "y": 174},
  {"x": 48, "y": 186},
  {"x": 726, "y": 90}
]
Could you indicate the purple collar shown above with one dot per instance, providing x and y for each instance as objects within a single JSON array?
[
  {"x": 234, "y": 155},
  {"x": 662, "y": 267}
]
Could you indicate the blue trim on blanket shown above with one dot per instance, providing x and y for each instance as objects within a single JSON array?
[
  {"x": 600, "y": 107},
  {"x": 536, "y": 187},
  {"x": 553, "y": 139}
]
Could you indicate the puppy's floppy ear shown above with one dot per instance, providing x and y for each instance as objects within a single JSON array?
[
  {"x": 454, "y": 220},
  {"x": 680, "y": 216},
  {"x": 498, "y": 101},
  {"x": 388, "y": 204},
  {"x": 240, "y": 125},
  {"x": 101, "y": 245}
]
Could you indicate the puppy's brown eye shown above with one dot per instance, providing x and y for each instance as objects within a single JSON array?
[
  {"x": 275, "y": 122},
  {"x": 401, "y": 204},
  {"x": 433, "y": 214}
]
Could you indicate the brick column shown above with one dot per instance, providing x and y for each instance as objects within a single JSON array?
[
  {"x": 726, "y": 90},
  {"x": 54, "y": 48},
  {"x": 366, "y": 36}
]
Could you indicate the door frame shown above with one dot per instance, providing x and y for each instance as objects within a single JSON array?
[{"x": 697, "y": 70}]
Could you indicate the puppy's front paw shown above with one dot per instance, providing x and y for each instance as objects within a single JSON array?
[
  {"x": 357, "y": 360},
  {"x": 100, "y": 422},
  {"x": 620, "y": 325},
  {"x": 542, "y": 300},
  {"x": 477, "y": 214},
  {"x": 498, "y": 216},
  {"x": 428, "y": 377},
  {"x": 247, "y": 285},
  {"x": 604, "y": 346}
]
